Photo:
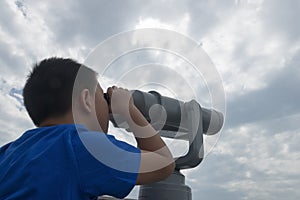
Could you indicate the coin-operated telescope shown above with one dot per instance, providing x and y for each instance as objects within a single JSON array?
[{"x": 178, "y": 120}]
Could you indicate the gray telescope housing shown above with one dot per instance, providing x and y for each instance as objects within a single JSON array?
[
  {"x": 212, "y": 120},
  {"x": 178, "y": 120}
]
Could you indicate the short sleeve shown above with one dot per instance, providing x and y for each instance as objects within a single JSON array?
[{"x": 106, "y": 165}]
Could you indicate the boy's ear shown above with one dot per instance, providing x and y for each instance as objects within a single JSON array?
[{"x": 86, "y": 100}]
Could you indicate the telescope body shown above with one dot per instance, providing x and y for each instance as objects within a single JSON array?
[{"x": 165, "y": 113}]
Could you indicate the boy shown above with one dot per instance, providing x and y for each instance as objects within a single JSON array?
[{"x": 70, "y": 155}]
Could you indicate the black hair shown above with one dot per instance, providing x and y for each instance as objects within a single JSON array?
[{"x": 49, "y": 87}]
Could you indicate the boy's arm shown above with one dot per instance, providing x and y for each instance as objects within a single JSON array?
[{"x": 157, "y": 162}]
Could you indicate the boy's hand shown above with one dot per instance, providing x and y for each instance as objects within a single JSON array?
[
  {"x": 121, "y": 101},
  {"x": 157, "y": 162}
]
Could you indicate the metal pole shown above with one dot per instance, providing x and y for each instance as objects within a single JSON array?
[{"x": 172, "y": 188}]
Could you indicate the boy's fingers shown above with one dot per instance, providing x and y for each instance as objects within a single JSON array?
[{"x": 109, "y": 91}]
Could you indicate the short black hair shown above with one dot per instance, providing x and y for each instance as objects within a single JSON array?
[{"x": 49, "y": 87}]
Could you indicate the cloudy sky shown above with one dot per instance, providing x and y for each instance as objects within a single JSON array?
[{"x": 254, "y": 45}]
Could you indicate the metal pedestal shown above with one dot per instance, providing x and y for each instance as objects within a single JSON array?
[{"x": 172, "y": 188}]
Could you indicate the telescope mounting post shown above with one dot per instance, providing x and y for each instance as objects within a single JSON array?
[{"x": 174, "y": 186}]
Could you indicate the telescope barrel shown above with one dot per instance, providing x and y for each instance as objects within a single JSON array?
[
  {"x": 153, "y": 106},
  {"x": 212, "y": 120}
]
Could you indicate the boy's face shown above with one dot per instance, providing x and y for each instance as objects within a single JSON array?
[{"x": 102, "y": 110}]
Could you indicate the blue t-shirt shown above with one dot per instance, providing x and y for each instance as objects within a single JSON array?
[{"x": 67, "y": 162}]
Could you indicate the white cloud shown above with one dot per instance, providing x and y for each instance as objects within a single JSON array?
[
  {"x": 245, "y": 51},
  {"x": 261, "y": 158},
  {"x": 180, "y": 26},
  {"x": 13, "y": 118}
]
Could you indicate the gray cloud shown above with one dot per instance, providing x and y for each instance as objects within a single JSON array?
[
  {"x": 249, "y": 164},
  {"x": 207, "y": 15},
  {"x": 279, "y": 99},
  {"x": 8, "y": 20},
  {"x": 13, "y": 118},
  {"x": 11, "y": 64},
  {"x": 87, "y": 22},
  {"x": 282, "y": 18}
]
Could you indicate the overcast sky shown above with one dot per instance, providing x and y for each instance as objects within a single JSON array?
[{"x": 254, "y": 44}]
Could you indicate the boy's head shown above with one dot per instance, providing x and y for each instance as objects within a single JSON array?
[{"x": 55, "y": 83}]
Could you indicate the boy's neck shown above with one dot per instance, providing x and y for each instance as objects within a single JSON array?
[{"x": 65, "y": 119}]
